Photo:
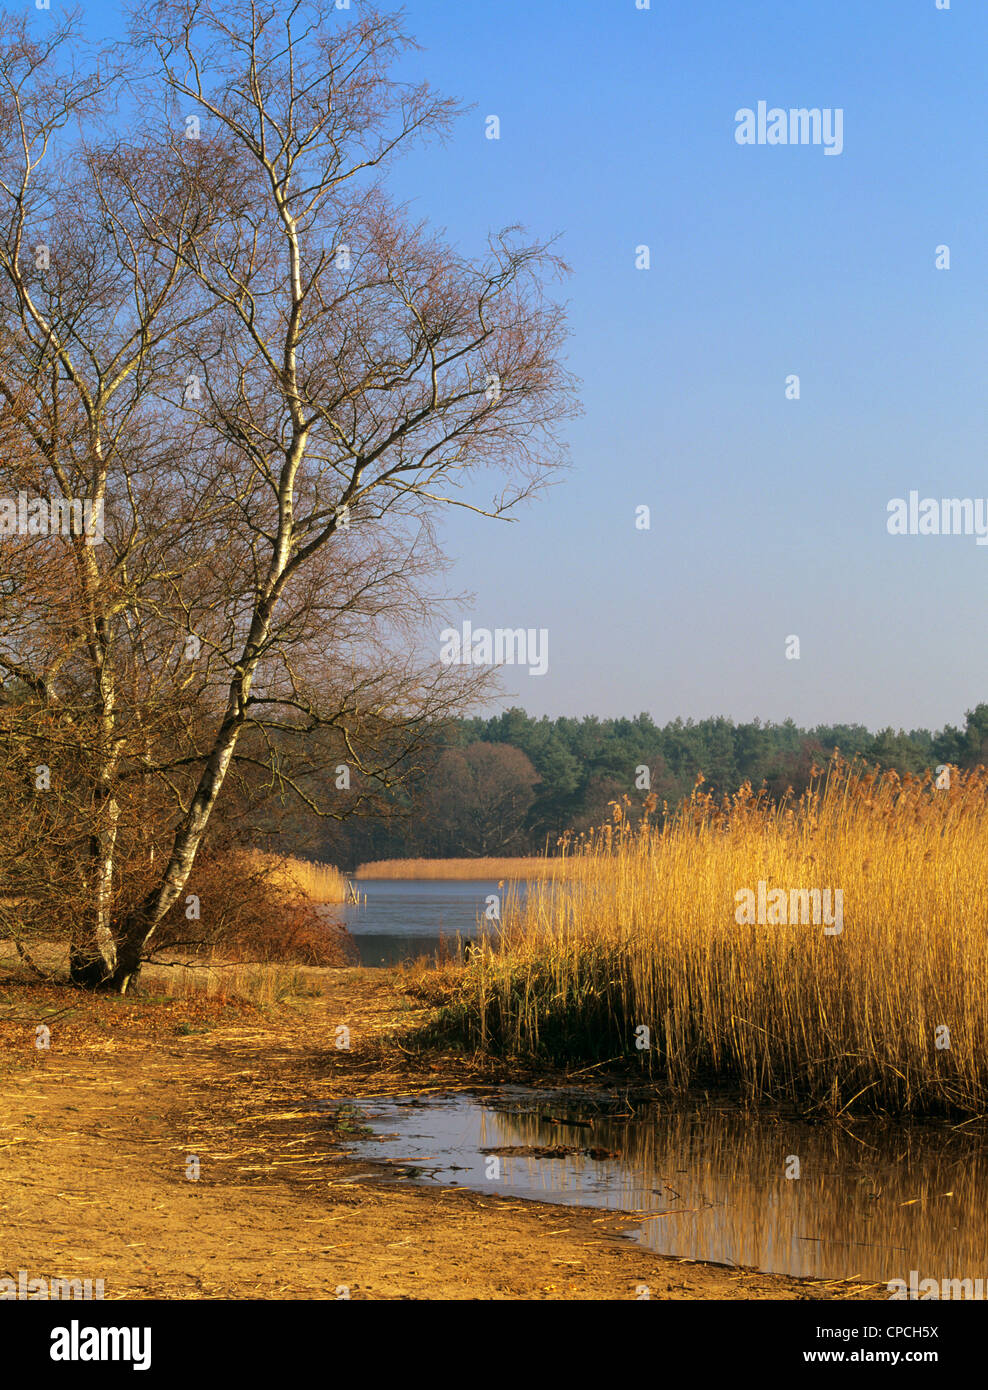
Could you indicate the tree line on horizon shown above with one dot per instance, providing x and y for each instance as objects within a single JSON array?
[{"x": 514, "y": 784}]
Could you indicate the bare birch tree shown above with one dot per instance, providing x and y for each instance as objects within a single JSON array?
[{"x": 274, "y": 381}]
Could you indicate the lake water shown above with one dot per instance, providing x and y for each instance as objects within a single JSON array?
[
  {"x": 709, "y": 1183},
  {"x": 405, "y": 918}
]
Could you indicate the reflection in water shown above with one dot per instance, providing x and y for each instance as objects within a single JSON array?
[{"x": 711, "y": 1184}]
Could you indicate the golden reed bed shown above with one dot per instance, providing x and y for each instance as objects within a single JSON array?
[
  {"x": 889, "y": 1013},
  {"x": 535, "y": 866}
]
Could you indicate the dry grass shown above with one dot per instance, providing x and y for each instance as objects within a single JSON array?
[
  {"x": 178, "y": 978},
  {"x": 649, "y": 936},
  {"x": 533, "y": 866},
  {"x": 263, "y": 984}
]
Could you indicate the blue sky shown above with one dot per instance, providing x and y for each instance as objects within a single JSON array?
[{"x": 768, "y": 516}]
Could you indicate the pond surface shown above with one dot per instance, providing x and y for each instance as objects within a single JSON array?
[
  {"x": 710, "y": 1183},
  {"x": 405, "y": 918}
]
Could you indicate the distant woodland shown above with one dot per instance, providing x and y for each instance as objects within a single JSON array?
[{"x": 514, "y": 784}]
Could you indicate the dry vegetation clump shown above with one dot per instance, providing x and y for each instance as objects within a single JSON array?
[
  {"x": 891, "y": 1013},
  {"x": 299, "y": 880},
  {"x": 258, "y": 907}
]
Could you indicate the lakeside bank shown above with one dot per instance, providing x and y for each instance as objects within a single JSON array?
[{"x": 98, "y": 1132}]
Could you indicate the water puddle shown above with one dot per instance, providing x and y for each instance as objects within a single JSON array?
[{"x": 710, "y": 1183}]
